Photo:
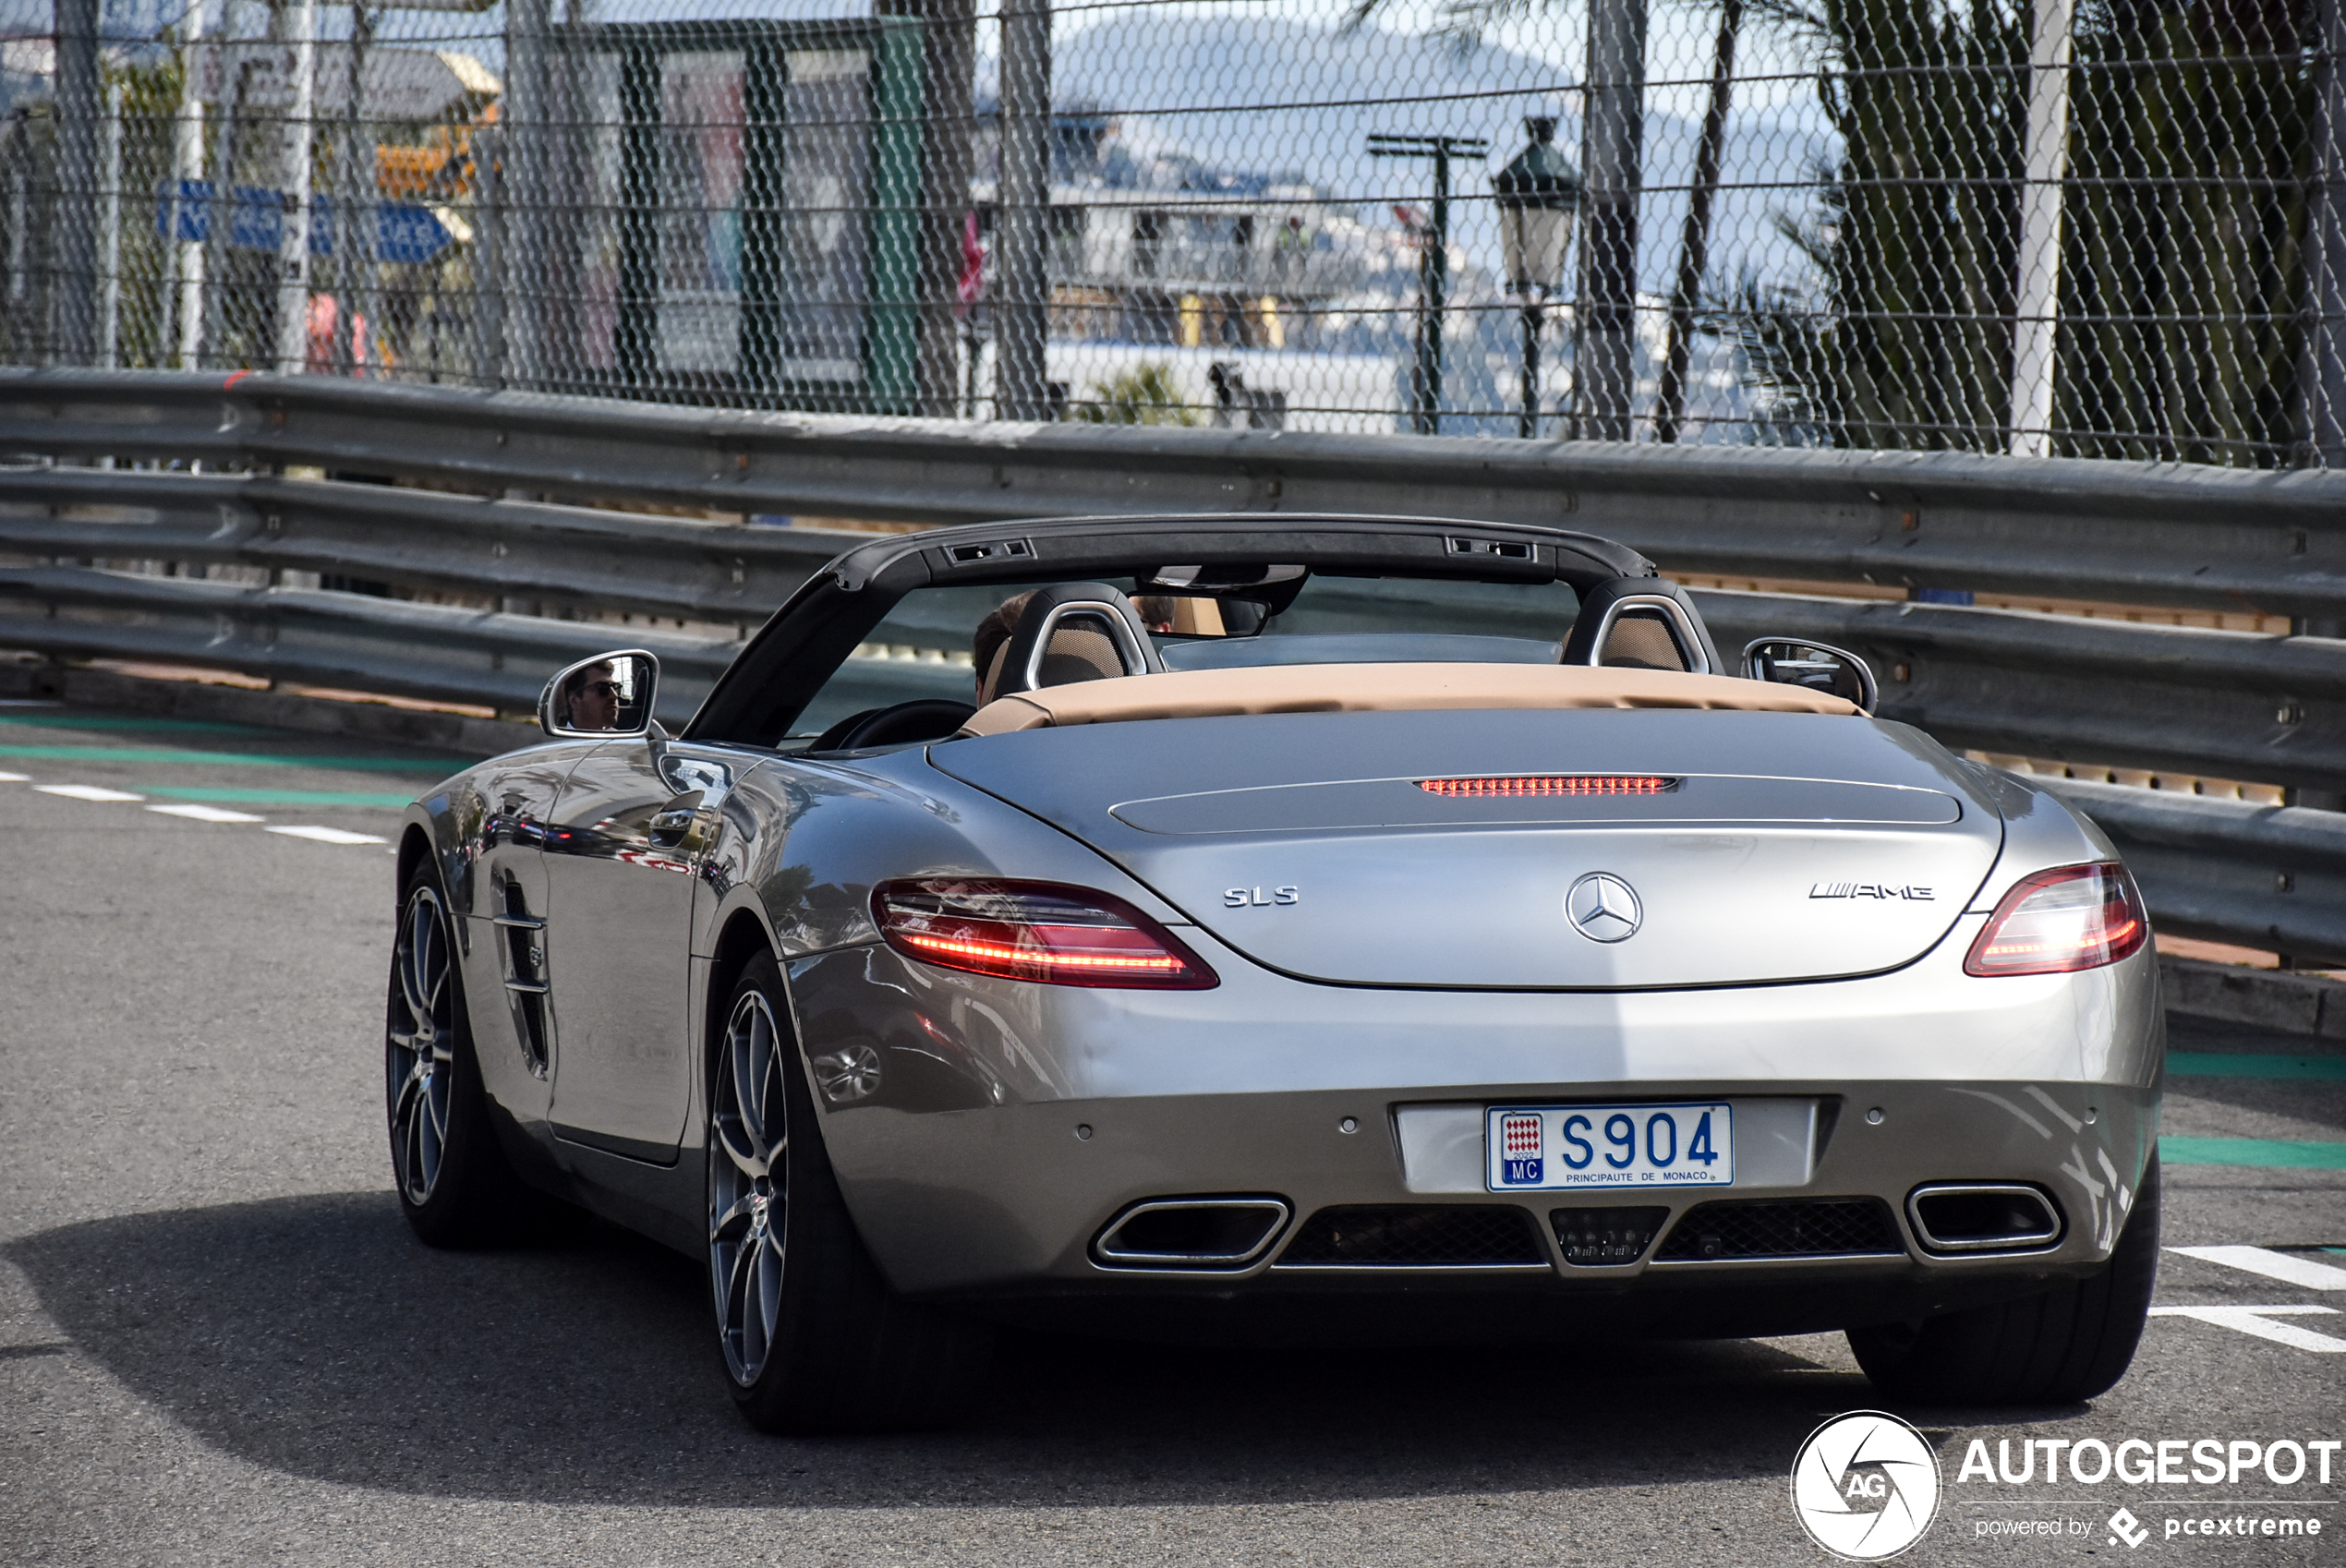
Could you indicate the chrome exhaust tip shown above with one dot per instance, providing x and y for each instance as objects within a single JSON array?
[
  {"x": 1965, "y": 1216},
  {"x": 1191, "y": 1232}
]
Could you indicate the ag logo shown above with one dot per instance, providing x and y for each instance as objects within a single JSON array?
[{"x": 1865, "y": 1486}]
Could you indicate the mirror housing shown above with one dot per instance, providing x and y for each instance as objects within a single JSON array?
[
  {"x": 608, "y": 697},
  {"x": 1821, "y": 667}
]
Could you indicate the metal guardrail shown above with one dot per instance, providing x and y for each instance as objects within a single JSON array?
[
  {"x": 560, "y": 556},
  {"x": 2272, "y": 877},
  {"x": 2223, "y": 704},
  {"x": 331, "y": 639},
  {"x": 2147, "y": 534}
]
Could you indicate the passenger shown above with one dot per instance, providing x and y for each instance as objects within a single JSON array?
[
  {"x": 993, "y": 635},
  {"x": 590, "y": 698}
]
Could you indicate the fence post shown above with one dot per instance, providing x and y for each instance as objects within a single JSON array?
[
  {"x": 2322, "y": 356},
  {"x": 523, "y": 187},
  {"x": 1613, "y": 136},
  {"x": 948, "y": 41},
  {"x": 2035, "y": 328},
  {"x": 1021, "y": 223},
  {"x": 182, "y": 291},
  {"x": 489, "y": 258},
  {"x": 299, "y": 20},
  {"x": 74, "y": 283}
]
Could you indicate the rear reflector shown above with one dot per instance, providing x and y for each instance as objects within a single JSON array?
[
  {"x": 2071, "y": 918},
  {"x": 1551, "y": 784},
  {"x": 1035, "y": 931}
]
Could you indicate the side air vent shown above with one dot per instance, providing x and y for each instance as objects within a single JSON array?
[
  {"x": 1595, "y": 1239},
  {"x": 1191, "y": 1233},
  {"x": 1801, "y": 1227},
  {"x": 1983, "y": 1217},
  {"x": 523, "y": 953},
  {"x": 1417, "y": 1236}
]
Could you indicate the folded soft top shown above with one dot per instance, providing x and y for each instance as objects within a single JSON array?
[{"x": 1369, "y": 688}]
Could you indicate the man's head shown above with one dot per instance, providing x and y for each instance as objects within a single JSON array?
[
  {"x": 994, "y": 634},
  {"x": 590, "y": 698}
]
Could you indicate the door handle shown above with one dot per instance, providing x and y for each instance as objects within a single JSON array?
[{"x": 673, "y": 824}]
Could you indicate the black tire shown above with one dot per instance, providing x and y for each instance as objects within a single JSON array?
[
  {"x": 2062, "y": 1345},
  {"x": 813, "y": 1340},
  {"x": 454, "y": 1184}
]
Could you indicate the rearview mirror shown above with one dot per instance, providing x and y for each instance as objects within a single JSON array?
[
  {"x": 604, "y": 698},
  {"x": 1185, "y": 615},
  {"x": 1817, "y": 665}
]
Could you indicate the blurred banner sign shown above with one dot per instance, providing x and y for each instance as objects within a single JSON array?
[{"x": 404, "y": 231}]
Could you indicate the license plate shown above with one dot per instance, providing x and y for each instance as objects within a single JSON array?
[{"x": 1546, "y": 1147}]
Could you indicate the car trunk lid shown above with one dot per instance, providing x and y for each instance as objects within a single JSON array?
[{"x": 1578, "y": 849}]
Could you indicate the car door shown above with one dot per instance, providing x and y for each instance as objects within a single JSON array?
[
  {"x": 501, "y": 940},
  {"x": 621, "y": 859}
]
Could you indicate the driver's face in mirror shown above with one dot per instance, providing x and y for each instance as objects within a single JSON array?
[
  {"x": 1180, "y": 615},
  {"x": 591, "y": 697}
]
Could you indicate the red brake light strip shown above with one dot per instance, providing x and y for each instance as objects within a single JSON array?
[
  {"x": 1042, "y": 960},
  {"x": 1550, "y": 784}
]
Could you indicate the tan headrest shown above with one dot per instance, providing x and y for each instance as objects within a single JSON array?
[{"x": 1377, "y": 688}]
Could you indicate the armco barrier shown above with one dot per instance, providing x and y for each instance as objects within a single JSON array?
[{"x": 2223, "y": 704}]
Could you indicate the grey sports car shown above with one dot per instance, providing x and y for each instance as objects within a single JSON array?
[{"x": 1284, "y": 927}]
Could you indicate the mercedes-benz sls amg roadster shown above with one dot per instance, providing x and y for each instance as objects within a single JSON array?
[{"x": 1279, "y": 928}]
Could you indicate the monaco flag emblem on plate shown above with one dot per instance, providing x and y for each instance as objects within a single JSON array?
[{"x": 1557, "y": 1147}]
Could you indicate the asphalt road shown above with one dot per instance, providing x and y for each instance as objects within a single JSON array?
[{"x": 219, "y": 1344}]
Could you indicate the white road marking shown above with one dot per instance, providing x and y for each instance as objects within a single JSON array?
[
  {"x": 206, "y": 814},
  {"x": 2272, "y": 1265},
  {"x": 2257, "y": 1320},
  {"x": 87, "y": 792},
  {"x": 16, "y": 778},
  {"x": 326, "y": 835}
]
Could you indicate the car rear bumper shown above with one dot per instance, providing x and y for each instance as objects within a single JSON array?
[{"x": 1008, "y": 1125}]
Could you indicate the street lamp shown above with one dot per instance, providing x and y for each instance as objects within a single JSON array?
[{"x": 1538, "y": 195}]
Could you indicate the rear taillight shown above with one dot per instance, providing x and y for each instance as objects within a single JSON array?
[
  {"x": 2075, "y": 917},
  {"x": 1033, "y": 931}
]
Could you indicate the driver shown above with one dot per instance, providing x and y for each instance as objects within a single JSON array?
[{"x": 590, "y": 698}]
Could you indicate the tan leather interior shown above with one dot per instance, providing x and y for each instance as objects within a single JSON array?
[
  {"x": 1080, "y": 649},
  {"x": 1640, "y": 639},
  {"x": 1078, "y": 652},
  {"x": 1372, "y": 688}
]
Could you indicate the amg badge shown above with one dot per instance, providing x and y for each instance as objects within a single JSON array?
[{"x": 1868, "y": 890}]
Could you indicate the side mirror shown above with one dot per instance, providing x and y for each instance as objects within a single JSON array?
[
  {"x": 1817, "y": 665},
  {"x": 608, "y": 697}
]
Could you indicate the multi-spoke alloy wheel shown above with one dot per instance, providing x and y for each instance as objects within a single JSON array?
[
  {"x": 419, "y": 1046},
  {"x": 748, "y": 1185},
  {"x": 814, "y": 1338}
]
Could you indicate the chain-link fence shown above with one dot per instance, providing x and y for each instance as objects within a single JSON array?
[{"x": 2107, "y": 228}]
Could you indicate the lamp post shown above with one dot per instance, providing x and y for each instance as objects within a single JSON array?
[
  {"x": 1538, "y": 195},
  {"x": 1433, "y": 266}
]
